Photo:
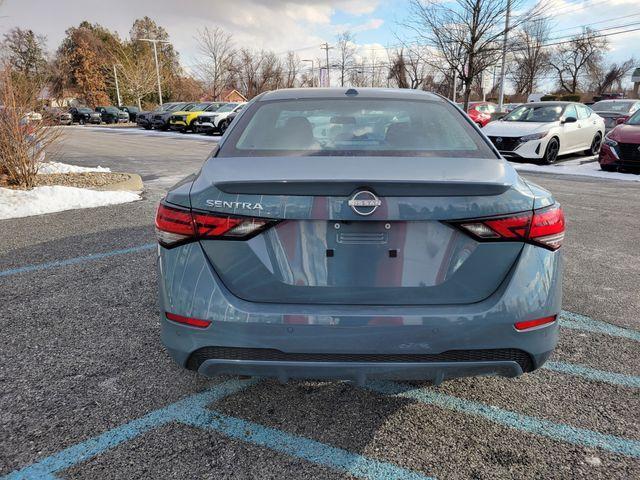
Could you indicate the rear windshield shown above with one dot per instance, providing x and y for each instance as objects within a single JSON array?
[
  {"x": 609, "y": 106},
  {"x": 354, "y": 127}
]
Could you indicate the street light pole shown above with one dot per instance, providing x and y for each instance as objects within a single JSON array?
[
  {"x": 313, "y": 75},
  {"x": 155, "y": 56},
  {"x": 115, "y": 74},
  {"x": 504, "y": 56}
]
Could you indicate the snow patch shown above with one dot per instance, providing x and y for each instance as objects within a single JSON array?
[
  {"x": 585, "y": 166},
  {"x": 49, "y": 199},
  {"x": 57, "y": 167}
]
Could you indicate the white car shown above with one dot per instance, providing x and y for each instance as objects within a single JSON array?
[
  {"x": 544, "y": 130},
  {"x": 215, "y": 121}
]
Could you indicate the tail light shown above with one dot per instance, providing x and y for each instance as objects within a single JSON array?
[
  {"x": 529, "y": 324},
  {"x": 544, "y": 227},
  {"x": 177, "y": 225}
]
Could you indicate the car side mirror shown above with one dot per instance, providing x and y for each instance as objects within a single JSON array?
[
  {"x": 621, "y": 120},
  {"x": 569, "y": 120}
]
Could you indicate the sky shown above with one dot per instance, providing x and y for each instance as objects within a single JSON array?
[{"x": 299, "y": 25}]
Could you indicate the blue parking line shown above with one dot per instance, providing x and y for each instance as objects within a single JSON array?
[
  {"x": 300, "y": 447},
  {"x": 94, "y": 446},
  {"x": 593, "y": 374},
  {"x": 524, "y": 423},
  {"x": 77, "y": 260},
  {"x": 575, "y": 321}
]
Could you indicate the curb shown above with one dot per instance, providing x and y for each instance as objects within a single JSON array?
[{"x": 132, "y": 183}]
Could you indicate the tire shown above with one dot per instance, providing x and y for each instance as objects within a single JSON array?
[
  {"x": 608, "y": 168},
  {"x": 551, "y": 152},
  {"x": 479, "y": 124},
  {"x": 224, "y": 124},
  {"x": 596, "y": 143},
  {"x": 81, "y": 121},
  {"x": 147, "y": 127}
]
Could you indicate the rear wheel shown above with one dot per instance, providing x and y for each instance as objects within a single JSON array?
[
  {"x": 479, "y": 124},
  {"x": 81, "y": 122},
  {"x": 551, "y": 152},
  {"x": 595, "y": 145},
  {"x": 608, "y": 168},
  {"x": 223, "y": 126}
]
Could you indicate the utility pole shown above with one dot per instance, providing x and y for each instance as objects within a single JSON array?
[
  {"x": 504, "y": 56},
  {"x": 115, "y": 74},
  {"x": 373, "y": 66},
  {"x": 155, "y": 56},
  {"x": 325, "y": 46},
  {"x": 313, "y": 75}
]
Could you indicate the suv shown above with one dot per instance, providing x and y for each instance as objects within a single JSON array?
[
  {"x": 113, "y": 115},
  {"x": 216, "y": 121},
  {"x": 84, "y": 115},
  {"x": 160, "y": 117}
]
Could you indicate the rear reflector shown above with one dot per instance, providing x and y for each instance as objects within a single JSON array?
[
  {"x": 193, "y": 322},
  {"x": 529, "y": 324},
  {"x": 177, "y": 225},
  {"x": 544, "y": 227}
]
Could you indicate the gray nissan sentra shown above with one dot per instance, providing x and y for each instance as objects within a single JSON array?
[{"x": 357, "y": 234}]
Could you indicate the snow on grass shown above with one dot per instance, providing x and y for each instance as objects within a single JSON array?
[
  {"x": 25, "y": 203},
  {"x": 584, "y": 166},
  {"x": 57, "y": 167}
]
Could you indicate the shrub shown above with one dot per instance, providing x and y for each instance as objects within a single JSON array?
[
  {"x": 549, "y": 98},
  {"x": 23, "y": 141},
  {"x": 571, "y": 97}
]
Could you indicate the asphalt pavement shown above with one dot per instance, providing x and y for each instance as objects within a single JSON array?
[{"x": 87, "y": 390}]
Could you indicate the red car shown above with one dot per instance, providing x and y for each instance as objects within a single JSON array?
[
  {"x": 621, "y": 147},
  {"x": 480, "y": 112}
]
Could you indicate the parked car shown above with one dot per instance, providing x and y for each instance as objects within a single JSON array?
[
  {"x": 615, "y": 112},
  {"x": 225, "y": 122},
  {"x": 112, "y": 115},
  {"x": 132, "y": 111},
  {"x": 84, "y": 115},
  {"x": 160, "y": 119},
  {"x": 211, "y": 123},
  {"x": 621, "y": 147},
  {"x": 58, "y": 116},
  {"x": 398, "y": 245},
  {"x": 183, "y": 120},
  {"x": 536, "y": 97},
  {"x": 481, "y": 112},
  {"x": 542, "y": 131},
  {"x": 510, "y": 107}
]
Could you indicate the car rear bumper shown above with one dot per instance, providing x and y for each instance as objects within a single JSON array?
[
  {"x": 358, "y": 329},
  {"x": 359, "y": 372}
]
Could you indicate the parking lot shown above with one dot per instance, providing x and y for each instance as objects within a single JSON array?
[{"x": 89, "y": 392}]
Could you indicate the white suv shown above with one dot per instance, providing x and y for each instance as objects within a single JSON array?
[{"x": 217, "y": 121}]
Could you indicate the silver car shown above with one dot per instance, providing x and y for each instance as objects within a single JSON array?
[{"x": 355, "y": 234}]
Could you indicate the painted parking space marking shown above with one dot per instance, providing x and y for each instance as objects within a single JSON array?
[
  {"x": 576, "y": 321},
  {"x": 192, "y": 411},
  {"x": 47, "y": 467},
  {"x": 77, "y": 260},
  {"x": 518, "y": 421},
  {"x": 593, "y": 374},
  {"x": 300, "y": 447}
]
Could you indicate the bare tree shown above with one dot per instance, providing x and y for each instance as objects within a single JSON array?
[
  {"x": 216, "y": 47},
  {"x": 465, "y": 34},
  {"x": 604, "y": 77},
  {"x": 346, "y": 54},
  {"x": 136, "y": 69},
  {"x": 23, "y": 140},
  {"x": 579, "y": 56},
  {"x": 292, "y": 68},
  {"x": 408, "y": 69},
  {"x": 257, "y": 72},
  {"x": 530, "y": 57}
]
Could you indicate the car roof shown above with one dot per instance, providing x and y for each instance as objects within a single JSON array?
[
  {"x": 561, "y": 104},
  {"x": 373, "y": 93}
]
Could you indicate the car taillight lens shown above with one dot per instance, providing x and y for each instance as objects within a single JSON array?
[
  {"x": 544, "y": 227},
  {"x": 529, "y": 324},
  {"x": 176, "y": 225}
]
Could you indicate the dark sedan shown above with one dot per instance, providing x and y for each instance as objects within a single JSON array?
[
  {"x": 615, "y": 112},
  {"x": 133, "y": 112}
]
